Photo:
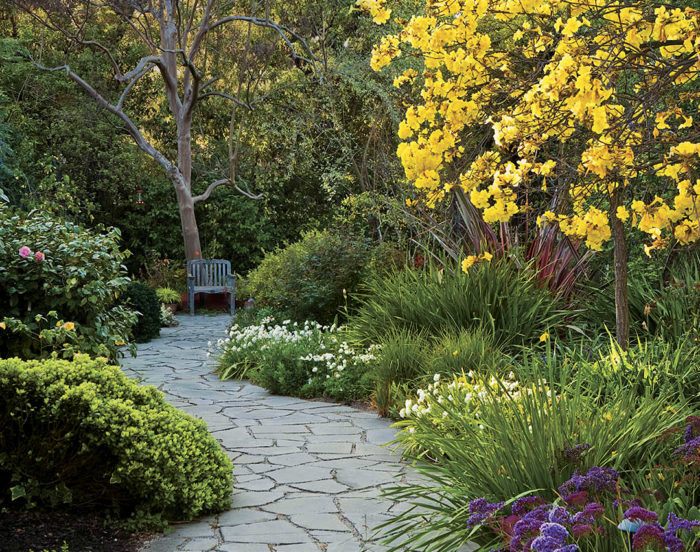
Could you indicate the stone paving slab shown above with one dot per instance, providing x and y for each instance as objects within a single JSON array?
[{"x": 308, "y": 473}]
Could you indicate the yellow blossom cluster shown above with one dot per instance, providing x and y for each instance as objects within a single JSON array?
[
  {"x": 471, "y": 260},
  {"x": 376, "y": 8},
  {"x": 585, "y": 95}
]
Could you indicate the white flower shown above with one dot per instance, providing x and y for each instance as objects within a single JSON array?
[{"x": 436, "y": 378}]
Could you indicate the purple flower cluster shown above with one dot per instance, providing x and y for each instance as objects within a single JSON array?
[
  {"x": 481, "y": 511},
  {"x": 654, "y": 535},
  {"x": 691, "y": 449},
  {"x": 595, "y": 481},
  {"x": 574, "y": 453}
]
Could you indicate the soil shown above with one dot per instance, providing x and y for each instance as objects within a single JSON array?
[{"x": 39, "y": 531}]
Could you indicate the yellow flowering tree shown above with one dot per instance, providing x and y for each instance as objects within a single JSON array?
[{"x": 586, "y": 106}]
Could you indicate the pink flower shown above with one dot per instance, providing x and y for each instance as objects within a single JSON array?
[
  {"x": 39, "y": 256},
  {"x": 25, "y": 252}
]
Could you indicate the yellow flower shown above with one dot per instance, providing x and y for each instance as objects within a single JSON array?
[
  {"x": 544, "y": 337},
  {"x": 622, "y": 213},
  {"x": 455, "y": 352},
  {"x": 119, "y": 342},
  {"x": 614, "y": 453},
  {"x": 469, "y": 262},
  {"x": 58, "y": 324},
  {"x": 69, "y": 326},
  {"x": 486, "y": 256},
  {"x": 3, "y": 325},
  {"x": 607, "y": 416}
]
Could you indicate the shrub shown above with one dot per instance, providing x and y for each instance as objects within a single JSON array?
[
  {"x": 310, "y": 279},
  {"x": 287, "y": 358},
  {"x": 59, "y": 285},
  {"x": 496, "y": 297},
  {"x": 145, "y": 301},
  {"x": 82, "y": 433}
]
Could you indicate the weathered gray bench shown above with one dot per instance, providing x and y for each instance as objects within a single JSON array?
[{"x": 210, "y": 276}]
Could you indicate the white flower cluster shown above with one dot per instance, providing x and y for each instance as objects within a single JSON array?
[
  {"x": 263, "y": 335},
  {"x": 463, "y": 389},
  {"x": 336, "y": 362}
]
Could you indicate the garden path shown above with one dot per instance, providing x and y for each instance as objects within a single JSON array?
[{"x": 308, "y": 474}]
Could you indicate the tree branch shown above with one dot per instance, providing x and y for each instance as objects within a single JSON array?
[
  {"x": 204, "y": 196},
  {"x": 115, "y": 110}
]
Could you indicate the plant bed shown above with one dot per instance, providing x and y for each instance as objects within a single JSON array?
[{"x": 23, "y": 531}]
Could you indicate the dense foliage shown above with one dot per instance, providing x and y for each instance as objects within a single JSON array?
[
  {"x": 310, "y": 279},
  {"x": 145, "y": 301},
  {"x": 60, "y": 288},
  {"x": 81, "y": 433}
]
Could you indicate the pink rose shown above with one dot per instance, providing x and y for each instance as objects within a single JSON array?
[
  {"x": 25, "y": 252},
  {"x": 39, "y": 256}
]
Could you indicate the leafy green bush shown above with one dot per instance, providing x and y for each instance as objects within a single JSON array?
[
  {"x": 59, "y": 285},
  {"x": 310, "y": 279},
  {"x": 145, "y": 301},
  {"x": 82, "y": 433},
  {"x": 496, "y": 297}
]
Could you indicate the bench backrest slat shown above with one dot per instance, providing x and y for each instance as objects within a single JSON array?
[{"x": 209, "y": 272}]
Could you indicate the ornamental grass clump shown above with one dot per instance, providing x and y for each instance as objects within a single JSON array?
[
  {"x": 81, "y": 434},
  {"x": 500, "y": 438},
  {"x": 495, "y": 297}
]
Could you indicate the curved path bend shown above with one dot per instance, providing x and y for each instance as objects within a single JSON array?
[{"x": 308, "y": 474}]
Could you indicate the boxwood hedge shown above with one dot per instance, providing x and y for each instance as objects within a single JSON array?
[{"x": 81, "y": 433}]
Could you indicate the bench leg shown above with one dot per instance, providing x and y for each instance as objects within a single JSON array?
[
  {"x": 232, "y": 299},
  {"x": 191, "y": 303}
]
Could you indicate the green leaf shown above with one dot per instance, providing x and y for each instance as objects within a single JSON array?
[{"x": 18, "y": 491}]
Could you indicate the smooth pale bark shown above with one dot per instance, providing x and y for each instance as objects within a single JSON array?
[{"x": 622, "y": 310}]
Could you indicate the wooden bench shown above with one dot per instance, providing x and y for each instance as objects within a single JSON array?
[{"x": 210, "y": 276}]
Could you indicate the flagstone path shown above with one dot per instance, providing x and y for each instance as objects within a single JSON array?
[{"x": 308, "y": 474}]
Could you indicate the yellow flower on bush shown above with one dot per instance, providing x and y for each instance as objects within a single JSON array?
[
  {"x": 544, "y": 337},
  {"x": 3, "y": 325},
  {"x": 69, "y": 326}
]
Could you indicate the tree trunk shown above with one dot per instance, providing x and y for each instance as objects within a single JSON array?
[
  {"x": 190, "y": 231},
  {"x": 622, "y": 311}
]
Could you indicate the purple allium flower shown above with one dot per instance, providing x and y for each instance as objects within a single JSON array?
[
  {"x": 569, "y": 548},
  {"x": 640, "y": 514}
]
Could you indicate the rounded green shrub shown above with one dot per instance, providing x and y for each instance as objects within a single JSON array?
[
  {"x": 60, "y": 286},
  {"x": 145, "y": 301},
  {"x": 310, "y": 279},
  {"x": 81, "y": 433}
]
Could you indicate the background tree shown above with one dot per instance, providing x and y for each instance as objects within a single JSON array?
[
  {"x": 581, "y": 109},
  {"x": 172, "y": 39}
]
